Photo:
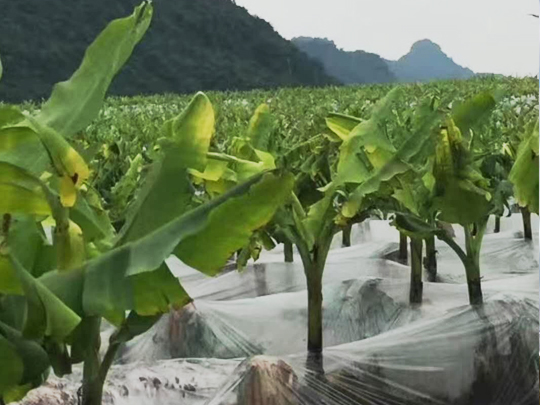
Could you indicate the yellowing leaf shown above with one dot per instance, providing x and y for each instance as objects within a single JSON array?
[
  {"x": 192, "y": 131},
  {"x": 65, "y": 159},
  {"x": 68, "y": 192},
  {"x": 70, "y": 248}
]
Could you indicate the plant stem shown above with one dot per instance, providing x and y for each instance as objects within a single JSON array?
[
  {"x": 474, "y": 286},
  {"x": 346, "y": 236},
  {"x": 527, "y": 228},
  {"x": 430, "y": 262},
  {"x": 92, "y": 389},
  {"x": 314, "y": 262},
  {"x": 403, "y": 254},
  {"x": 472, "y": 264},
  {"x": 416, "y": 287},
  {"x": 315, "y": 298},
  {"x": 497, "y": 224},
  {"x": 108, "y": 360},
  {"x": 470, "y": 260},
  {"x": 288, "y": 252}
]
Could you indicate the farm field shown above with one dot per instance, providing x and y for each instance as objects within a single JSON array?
[{"x": 340, "y": 245}]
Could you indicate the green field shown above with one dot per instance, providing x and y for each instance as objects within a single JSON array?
[{"x": 129, "y": 126}]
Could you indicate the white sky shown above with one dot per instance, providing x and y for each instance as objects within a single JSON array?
[{"x": 487, "y": 36}]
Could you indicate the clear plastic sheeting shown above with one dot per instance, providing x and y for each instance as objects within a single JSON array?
[
  {"x": 189, "y": 333},
  {"x": 276, "y": 324},
  {"x": 503, "y": 255},
  {"x": 249, "y": 331},
  {"x": 173, "y": 382},
  {"x": 467, "y": 356}
]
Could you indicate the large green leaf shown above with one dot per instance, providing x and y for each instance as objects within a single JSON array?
[
  {"x": 204, "y": 238},
  {"x": 22, "y": 147},
  {"x": 192, "y": 131},
  {"x": 75, "y": 103},
  {"x": 460, "y": 204},
  {"x": 411, "y": 193},
  {"x": 46, "y": 314},
  {"x": 34, "y": 359},
  {"x": 342, "y": 124},
  {"x": 413, "y": 226},
  {"x": 524, "y": 173},
  {"x": 12, "y": 368},
  {"x": 473, "y": 111},
  {"x": 92, "y": 219},
  {"x": 68, "y": 163},
  {"x": 316, "y": 219},
  {"x": 26, "y": 242},
  {"x": 21, "y": 192},
  {"x": 461, "y": 193},
  {"x": 155, "y": 292},
  {"x": 230, "y": 225},
  {"x": 416, "y": 149},
  {"x": 370, "y": 138},
  {"x": 260, "y": 128},
  {"x": 167, "y": 191}
]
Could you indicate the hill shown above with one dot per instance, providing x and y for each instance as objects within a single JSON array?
[
  {"x": 426, "y": 61},
  {"x": 348, "y": 67},
  {"x": 191, "y": 45}
]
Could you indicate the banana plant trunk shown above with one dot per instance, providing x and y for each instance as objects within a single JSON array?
[
  {"x": 430, "y": 262},
  {"x": 473, "y": 244},
  {"x": 288, "y": 252},
  {"x": 497, "y": 224},
  {"x": 474, "y": 234},
  {"x": 527, "y": 227},
  {"x": 315, "y": 299},
  {"x": 95, "y": 370},
  {"x": 346, "y": 237},
  {"x": 416, "y": 287},
  {"x": 92, "y": 387},
  {"x": 472, "y": 270},
  {"x": 314, "y": 261},
  {"x": 403, "y": 254}
]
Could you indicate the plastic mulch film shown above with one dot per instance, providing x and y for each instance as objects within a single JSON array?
[
  {"x": 503, "y": 255},
  {"x": 248, "y": 330},
  {"x": 172, "y": 382},
  {"x": 468, "y": 356},
  {"x": 276, "y": 324},
  {"x": 263, "y": 310}
]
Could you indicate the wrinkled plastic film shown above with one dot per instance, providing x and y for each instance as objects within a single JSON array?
[{"x": 248, "y": 332}]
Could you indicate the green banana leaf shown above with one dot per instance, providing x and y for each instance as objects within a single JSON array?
[
  {"x": 524, "y": 173},
  {"x": 105, "y": 286},
  {"x": 75, "y": 103}
]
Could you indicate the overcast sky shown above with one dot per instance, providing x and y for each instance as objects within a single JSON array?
[{"x": 487, "y": 36}]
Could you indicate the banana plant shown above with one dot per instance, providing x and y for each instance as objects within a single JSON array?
[
  {"x": 366, "y": 159},
  {"x": 524, "y": 176},
  {"x": 394, "y": 175},
  {"x": 455, "y": 191},
  {"x": 55, "y": 291},
  {"x": 497, "y": 149}
]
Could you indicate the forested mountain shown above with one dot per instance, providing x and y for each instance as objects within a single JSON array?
[
  {"x": 348, "y": 67},
  {"x": 426, "y": 61},
  {"x": 191, "y": 45}
]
